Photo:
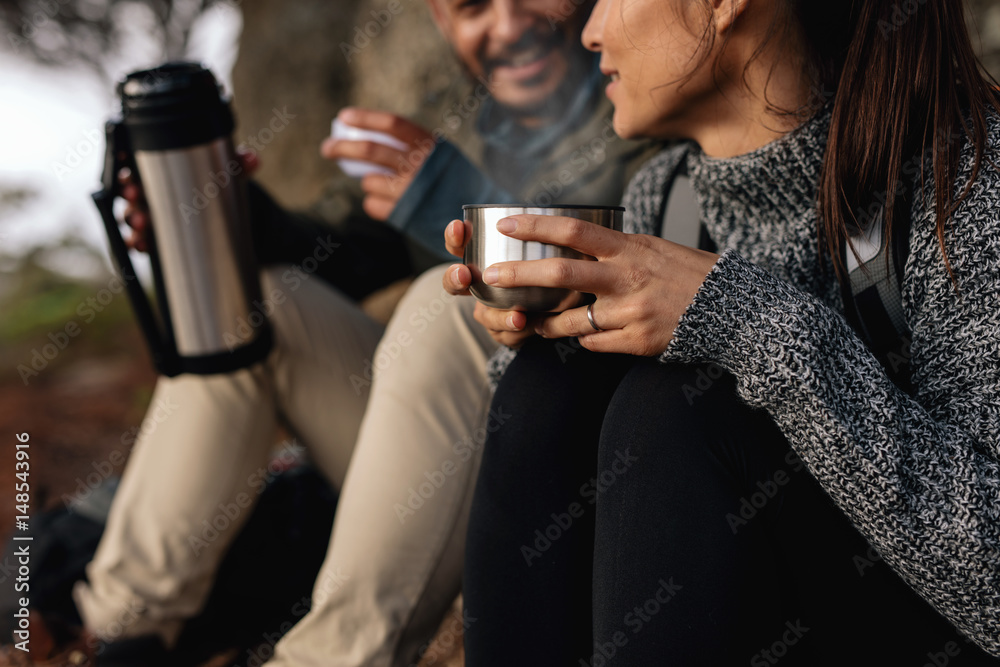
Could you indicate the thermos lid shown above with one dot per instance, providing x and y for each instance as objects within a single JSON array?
[{"x": 172, "y": 106}]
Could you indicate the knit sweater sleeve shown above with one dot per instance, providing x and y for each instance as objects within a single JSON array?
[{"x": 919, "y": 476}]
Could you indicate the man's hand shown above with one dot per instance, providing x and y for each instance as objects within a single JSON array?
[
  {"x": 137, "y": 211},
  {"x": 382, "y": 191},
  {"x": 507, "y": 327}
]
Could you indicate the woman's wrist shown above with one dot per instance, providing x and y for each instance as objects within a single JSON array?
[{"x": 732, "y": 320}]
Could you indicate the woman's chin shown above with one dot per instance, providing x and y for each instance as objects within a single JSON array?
[{"x": 626, "y": 129}]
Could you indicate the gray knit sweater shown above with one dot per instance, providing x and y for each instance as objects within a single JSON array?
[{"x": 918, "y": 476}]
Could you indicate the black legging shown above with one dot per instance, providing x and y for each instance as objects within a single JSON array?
[{"x": 636, "y": 513}]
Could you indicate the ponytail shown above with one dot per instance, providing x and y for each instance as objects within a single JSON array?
[{"x": 908, "y": 87}]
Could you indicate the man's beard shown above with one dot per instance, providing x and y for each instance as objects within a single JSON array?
[{"x": 532, "y": 46}]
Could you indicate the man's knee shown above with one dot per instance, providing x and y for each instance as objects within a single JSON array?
[{"x": 428, "y": 314}]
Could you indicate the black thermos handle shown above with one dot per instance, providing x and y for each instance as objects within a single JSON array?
[{"x": 164, "y": 355}]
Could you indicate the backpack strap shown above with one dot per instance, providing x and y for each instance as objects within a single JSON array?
[
  {"x": 679, "y": 215},
  {"x": 872, "y": 293}
]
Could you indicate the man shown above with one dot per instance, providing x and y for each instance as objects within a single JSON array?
[{"x": 532, "y": 128}]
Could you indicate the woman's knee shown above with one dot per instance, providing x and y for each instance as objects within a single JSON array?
[
  {"x": 680, "y": 414},
  {"x": 656, "y": 396}
]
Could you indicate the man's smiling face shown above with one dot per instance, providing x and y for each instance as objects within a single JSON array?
[{"x": 525, "y": 49}]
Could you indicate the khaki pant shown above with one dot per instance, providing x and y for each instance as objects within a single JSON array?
[{"x": 394, "y": 562}]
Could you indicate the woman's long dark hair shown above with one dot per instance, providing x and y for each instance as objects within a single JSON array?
[{"x": 908, "y": 86}]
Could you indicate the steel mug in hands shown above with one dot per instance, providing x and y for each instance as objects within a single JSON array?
[{"x": 487, "y": 246}]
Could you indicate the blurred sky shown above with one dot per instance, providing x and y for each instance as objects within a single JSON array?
[{"x": 51, "y": 136}]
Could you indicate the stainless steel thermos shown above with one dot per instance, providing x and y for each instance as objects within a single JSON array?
[{"x": 174, "y": 134}]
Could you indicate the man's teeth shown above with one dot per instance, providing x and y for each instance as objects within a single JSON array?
[
  {"x": 526, "y": 58},
  {"x": 615, "y": 77}
]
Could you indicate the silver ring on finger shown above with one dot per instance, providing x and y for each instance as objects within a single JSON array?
[{"x": 590, "y": 318}]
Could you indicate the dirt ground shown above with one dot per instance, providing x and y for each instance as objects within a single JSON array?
[
  {"x": 81, "y": 415},
  {"x": 78, "y": 415}
]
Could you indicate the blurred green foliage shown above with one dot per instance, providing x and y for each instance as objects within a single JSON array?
[{"x": 38, "y": 300}]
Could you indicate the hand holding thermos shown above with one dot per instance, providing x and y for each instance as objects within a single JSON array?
[
  {"x": 187, "y": 194},
  {"x": 137, "y": 213}
]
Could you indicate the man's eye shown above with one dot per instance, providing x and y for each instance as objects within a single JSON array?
[{"x": 469, "y": 5}]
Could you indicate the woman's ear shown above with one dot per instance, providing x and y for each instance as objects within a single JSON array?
[{"x": 727, "y": 12}]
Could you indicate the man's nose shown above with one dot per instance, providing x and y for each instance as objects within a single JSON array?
[{"x": 510, "y": 21}]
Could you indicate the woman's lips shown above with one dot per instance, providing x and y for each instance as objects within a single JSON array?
[{"x": 610, "y": 88}]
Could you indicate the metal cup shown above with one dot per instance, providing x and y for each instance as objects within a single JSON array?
[{"x": 487, "y": 246}]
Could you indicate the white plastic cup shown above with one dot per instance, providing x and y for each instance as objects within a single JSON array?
[{"x": 360, "y": 168}]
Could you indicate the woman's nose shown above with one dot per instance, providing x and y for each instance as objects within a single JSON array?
[{"x": 593, "y": 32}]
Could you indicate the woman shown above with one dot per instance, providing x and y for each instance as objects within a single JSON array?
[{"x": 724, "y": 473}]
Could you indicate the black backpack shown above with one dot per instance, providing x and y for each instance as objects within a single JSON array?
[
  {"x": 263, "y": 585},
  {"x": 872, "y": 292}
]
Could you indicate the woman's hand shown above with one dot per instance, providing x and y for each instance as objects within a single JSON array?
[
  {"x": 643, "y": 283},
  {"x": 507, "y": 327},
  {"x": 382, "y": 191}
]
